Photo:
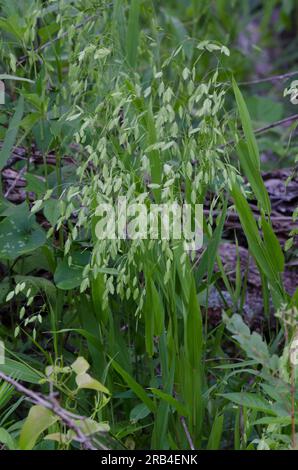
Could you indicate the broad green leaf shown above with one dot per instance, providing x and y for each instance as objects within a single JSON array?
[
  {"x": 68, "y": 277},
  {"x": 80, "y": 365},
  {"x": 29, "y": 121},
  {"x": 35, "y": 185},
  {"x": 7, "y": 440},
  {"x": 20, "y": 371},
  {"x": 89, "y": 426},
  {"x": 84, "y": 380},
  {"x": 280, "y": 420},
  {"x": 19, "y": 233},
  {"x": 253, "y": 401},
  {"x": 46, "y": 32},
  {"x": 16, "y": 241},
  {"x": 139, "y": 412},
  {"x": 52, "y": 210},
  {"x": 252, "y": 343},
  {"x": 38, "y": 420}
]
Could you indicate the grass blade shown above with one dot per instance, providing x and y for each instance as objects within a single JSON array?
[
  {"x": 254, "y": 177},
  {"x": 208, "y": 258},
  {"x": 132, "y": 36},
  {"x": 216, "y": 433},
  {"x": 11, "y": 133},
  {"x": 179, "y": 407},
  {"x": 135, "y": 387},
  {"x": 247, "y": 126}
]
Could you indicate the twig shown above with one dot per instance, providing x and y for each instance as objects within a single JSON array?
[
  {"x": 260, "y": 130},
  {"x": 51, "y": 404},
  {"x": 18, "y": 177},
  {"x": 294, "y": 117},
  {"x": 273, "y": 78},
  {"x": 187, "y": 433}
]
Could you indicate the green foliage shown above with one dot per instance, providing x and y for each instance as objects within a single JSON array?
[
  {"x": 38, "y": 420},
  {"x": 134, "y": 98},
  {"x": 271, "y": 403},
  {"x": 11, "y": 134}
]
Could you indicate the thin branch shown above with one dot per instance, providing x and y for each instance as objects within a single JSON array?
[
  {"x": 260, "y": 130},
  {"x": 51, "y": 403},
  {"x": 187, "y": 433},
  {"x": 18, "y": 177},
  {"x": 273, "y": 78},
  {"x": 292, "y": 118}
]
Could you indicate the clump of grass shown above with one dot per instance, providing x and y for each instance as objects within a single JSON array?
[{"x": 131, "y": 104}]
